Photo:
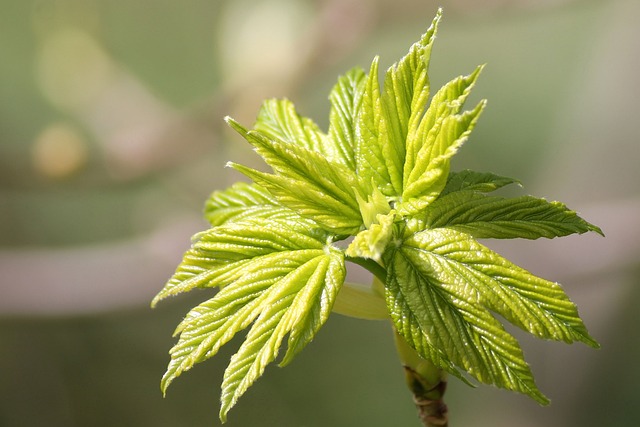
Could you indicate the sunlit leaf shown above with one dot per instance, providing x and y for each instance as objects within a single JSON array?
[
  {"x": 242, "y": 201},
  {"x": 469, "y": 180},
  {"x": 285, "y": 279},
  {"x": 297, "y": 304},
  {"x": 372, "y": 243},
  {"x": 485, "y": 216},
  {"x": 442, "y": 288},
  {"x": 448, "y": 101},
  {"x": 429, "y": 175},
  {"x": 278, "y": 119},
  {"x": 380, "y": 177},
  {"x": 455, "y": 260},
  {"x": 306, "y": 182},
  {"x": 371, "y": 164},
  {"x": 218, "y": 255},
  {"x": 403, "y": 99},
  {"x": 345, "y": 99},
  {"x": 309, "y": 201}
]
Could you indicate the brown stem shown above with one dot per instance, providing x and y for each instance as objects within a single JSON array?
[
  {"x": 432, "y": 410},
  {"x": 427, "y": 382}
]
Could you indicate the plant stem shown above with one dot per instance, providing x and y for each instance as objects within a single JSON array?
[
  {"x": 427, "y": 382},
  {"x": 376, "y": 269}
]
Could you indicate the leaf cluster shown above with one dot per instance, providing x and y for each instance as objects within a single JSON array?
[{"x": 381, "y": 175}]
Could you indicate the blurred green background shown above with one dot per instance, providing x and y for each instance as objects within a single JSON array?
[{"x": 111, "y": 138}]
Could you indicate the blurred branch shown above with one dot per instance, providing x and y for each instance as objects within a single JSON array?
[
  {"x": 110, "y": 276},
  {"x": 94, "y": 278}
]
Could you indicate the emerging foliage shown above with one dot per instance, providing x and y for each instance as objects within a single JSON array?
[{"x": 380, "y": 175}]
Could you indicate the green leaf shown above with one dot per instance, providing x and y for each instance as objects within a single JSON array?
[
  {"x": 403, "y": 100},
  {"x": 448, "y": 101},
  {"x": 242, "y": 201},
  {"x": 469, "y": 180},
  {"x": 442, "y": 288},
  {"x": 372, "y": 243},
  {"x": 306, "y": 182},
  {"x": 534, "y": 304},
  {"x": 382, "y": 176},
  {"x": 485, "y": 216},
  {"x": 280, "y": 275},
  {"x": 370, "y": 162},
  {"x": 413, "y": 314},
  {"x": 217, "y": 256},
  {"x": 429, "y": 175},
  {"x": 309, "y": 201},
  {"x": 297, "y": 304},
  {"x": 345, "y": 99},
  {"x": 279, "y": 120},
  {"x": 448, "y": 327},
  {"x": 375, "y": 204},
  {"x": 372, "y": 165}
]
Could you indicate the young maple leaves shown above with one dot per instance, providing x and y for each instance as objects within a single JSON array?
[{"x": 381, "y": 174}]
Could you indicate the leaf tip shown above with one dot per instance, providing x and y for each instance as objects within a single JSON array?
[
  {"x": 589, "y": 340},
  {"x": 595, "y": 229},
  {"x": 542, "y": 399},
  {"x": 474, "y": 76},
  {"x": 159, "y": 297},
  {"x": 164, "y": 384},
  {"x": 438, "y": 17},
  {"x": 236, "y": 126},
  {"x": 223, "y": 415}
]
